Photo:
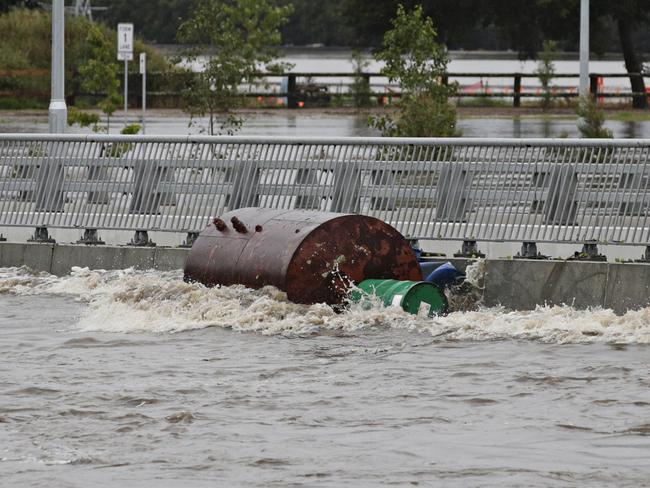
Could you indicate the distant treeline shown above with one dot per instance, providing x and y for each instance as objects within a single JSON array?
[
  {"x": 521, "y": 26},
  {"x": 515, "y": 25}
]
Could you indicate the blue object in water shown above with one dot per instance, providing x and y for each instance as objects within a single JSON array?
[
  {"x": 427, "y": 267},
  {"x": 445, "y": 275}
]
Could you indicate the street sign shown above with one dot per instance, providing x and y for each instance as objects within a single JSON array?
[
  {"x": 125, "y": 53},
  {"x": 125, "y": 42},
  {"x": 143, "y": 63}
]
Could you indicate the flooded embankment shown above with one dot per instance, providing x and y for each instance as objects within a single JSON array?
[{"x": 473, "y": 122}]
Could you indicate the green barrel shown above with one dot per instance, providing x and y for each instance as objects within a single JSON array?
[{"x": 416, "y": 297}]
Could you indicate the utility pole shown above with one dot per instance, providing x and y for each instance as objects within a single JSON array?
[
  {"x": 584, "y": 48},
  {"x": 58, "y": 112}
]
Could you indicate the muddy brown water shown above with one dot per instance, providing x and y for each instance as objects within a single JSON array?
[{"x": 128, "y": 378}]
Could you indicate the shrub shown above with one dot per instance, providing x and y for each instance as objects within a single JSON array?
[
  {"x": 414, "y": 59},
  {"x": 591, "y": 119},
  {"x": 546, "y": 70}
]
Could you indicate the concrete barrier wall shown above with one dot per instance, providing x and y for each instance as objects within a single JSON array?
[
  {"x": 516, "y": 284},
  {"x": 523, "y": 284},
  {"x": 58, "y": 259}
]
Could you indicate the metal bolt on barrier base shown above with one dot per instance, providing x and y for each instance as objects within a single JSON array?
[
  {"x": 589, "y": 253},
  {"x": 645, "y": 258},
  {"x": 41, "y": 236},
  {"x": 141, "y": 239},
  {"x": 529, "y": 251},
  {"x": 189, "y": 240},
  {"x": 90, "y": 238},
  {"x": 469, "y": 249}
]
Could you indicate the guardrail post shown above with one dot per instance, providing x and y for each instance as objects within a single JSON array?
[
  {"x": 383, "y": 179},
  {"x": 307, "y": 177},
  {"x": 25, "y": 172},
  {"x": 366, "y": 79},
  {"x": 144, "y": 197},
  {"x": 147, "y": 196},
  {"x": 632, "y": 183},
  {"x": 561, "y": 206},
  {"x": 245, "y": 178},
  {"x": 97, "y": 174},
  {"x": 347, "y": 183},
  {"x": 516, "y": 89},
  {"x": 292, "y": 99},
  {"x": 451, "y": 193},
  {"x": 49, "y": 183},
  {"x": 593, "y": 85}
]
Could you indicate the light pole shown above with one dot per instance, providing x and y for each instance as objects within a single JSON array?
[
  {"x": 58, "y": 112},
  {"x": 584, "y": 48}
]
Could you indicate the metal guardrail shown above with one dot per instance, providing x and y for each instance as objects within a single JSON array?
[
  {"x": 543, "y": 190},
  {"x": 169, "y": 85}
]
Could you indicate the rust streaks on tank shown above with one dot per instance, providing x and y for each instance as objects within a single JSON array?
[{"x": 313, "y": 256}]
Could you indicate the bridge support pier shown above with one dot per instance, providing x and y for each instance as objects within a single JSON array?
[
  {"x": 41, "y": 235},
  {"x": 141, "y": 239},
  {"x": 90, "y": 238},
  {"x": 529, "y": 251},
  {"x": 469, "y": 249}
]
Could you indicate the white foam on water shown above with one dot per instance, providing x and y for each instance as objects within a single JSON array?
[{"x": 160, "y": 302}]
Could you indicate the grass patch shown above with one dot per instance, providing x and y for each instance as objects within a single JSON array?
[
  {"x": 22, "y": 104},
  {"x": 484, "y": 102},
  {"x": 629, "y": 115}
]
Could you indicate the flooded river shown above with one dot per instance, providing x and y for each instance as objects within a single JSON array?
[
  {"x": 330, "y": 123},
  {"x": 137, "y": 379},
  {"x": 134, "y": 378}
]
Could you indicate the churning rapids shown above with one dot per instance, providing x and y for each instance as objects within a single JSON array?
[{"x": 134, "y": 378}]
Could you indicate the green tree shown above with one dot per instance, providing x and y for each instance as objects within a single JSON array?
[
  {"x": 360, "y": 87},
  {"x": 98, "y": 74},
  {"x": 414, "y": 59},
  {"x": 546, "y": 70},
  {"x": 26, "y": 43},
  {"x": 242, "y": 37}
]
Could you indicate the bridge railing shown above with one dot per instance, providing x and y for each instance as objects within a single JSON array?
[{"x": 543, "y": 190}]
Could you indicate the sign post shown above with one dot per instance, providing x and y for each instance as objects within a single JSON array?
[
  {"x": 143, "y": 72},
  {"x": 125, "y": 53}
]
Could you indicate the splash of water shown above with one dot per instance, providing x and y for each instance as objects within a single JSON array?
[{"x": 160, "y": 302}]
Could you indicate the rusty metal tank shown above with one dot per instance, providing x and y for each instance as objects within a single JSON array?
[{"x": 312, "y": 256}]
